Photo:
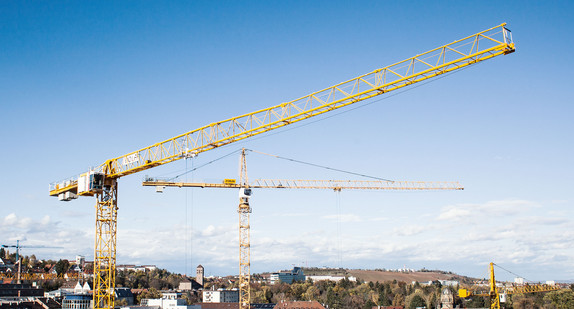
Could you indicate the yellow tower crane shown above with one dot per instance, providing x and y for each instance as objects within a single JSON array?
[
  {"x": 244, "y": 209},
  {"x": 101, "y": 181},
  {"x": 498, "y": 294}
]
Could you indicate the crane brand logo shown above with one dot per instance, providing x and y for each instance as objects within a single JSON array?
[{"x": 133, "y": 158}]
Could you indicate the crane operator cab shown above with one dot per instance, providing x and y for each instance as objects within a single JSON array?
[{"x": 244, "y": 192}]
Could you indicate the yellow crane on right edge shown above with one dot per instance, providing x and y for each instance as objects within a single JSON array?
[{"x": 498, "y": 294}]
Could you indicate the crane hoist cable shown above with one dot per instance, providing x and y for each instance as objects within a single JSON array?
[
  {"x": 193, "y": 169},
  {"x": 320, "y": 166}
]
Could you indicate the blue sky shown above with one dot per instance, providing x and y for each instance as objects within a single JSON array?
[{"x": 82, "y": 82}]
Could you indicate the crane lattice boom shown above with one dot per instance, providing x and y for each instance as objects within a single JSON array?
[
  {"x": 319, "y": 184},
  {"x": 447, "y": 58}
]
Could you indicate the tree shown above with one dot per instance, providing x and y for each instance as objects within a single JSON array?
[
  {"x": 312, "y": 293},
  {"x": 522, "y": 301},
  {"x": 2, "y": 252},
  {"x": 150, "y": 294},
  {"x": 369, "y": 304},
  {"x": 563, "y": 299},
  {"x": 62, "y": 267},
  {"x": 121, "y": 302},
  {"x": 398, "y": 300},
  {"x": 297, "y": 290},
  {"x": 51, "y": 285},
  {"x": 416, "y": 302},
  {"x": 333, "y": 299}
]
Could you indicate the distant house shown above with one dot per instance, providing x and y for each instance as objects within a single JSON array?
[
  {"x": 4, "y": 265},
  {"x": 126, "y": 267},
  {"x": 82, "y": 288},
  {"x": 75, "y": 268},
  {"x": 331, "y": 278},
  {"x": 189, "y": 285},
  {"x": 125, "y": 294}
]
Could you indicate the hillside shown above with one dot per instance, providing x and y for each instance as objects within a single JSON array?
[
  {"x": 383, "y": 275},
  {"x": 376, "y": 275}
]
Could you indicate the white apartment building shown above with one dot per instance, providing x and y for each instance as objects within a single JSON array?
[
  {"x": 168, "y": 301},
  {"x": 221, "y": 296}
]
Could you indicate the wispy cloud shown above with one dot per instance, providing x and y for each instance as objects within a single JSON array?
[
  {"x": 409, "y": 230},
  {"x": 343, "y": 218},
  {"x": 469, "y": 212}
]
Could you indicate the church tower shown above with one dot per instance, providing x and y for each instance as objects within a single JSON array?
[{"x": 199, "y": 275}]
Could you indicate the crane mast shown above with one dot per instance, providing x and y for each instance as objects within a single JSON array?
[
  {"x": 101, "y": 181},
  {"x": 244, "y": 211}
]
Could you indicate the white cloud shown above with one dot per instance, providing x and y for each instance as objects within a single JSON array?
[
  {"x": 471, "y": 212},
  {"x": 409, "y": 230},
  {"x": 343, "y": 218},
  {"x": 44, "y": 237},
  {"x": 473, "y": 232}
]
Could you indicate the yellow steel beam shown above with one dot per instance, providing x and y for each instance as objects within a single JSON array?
[
  {"x": 447, "y": 58},
  {"x": 320, "y": 184}
]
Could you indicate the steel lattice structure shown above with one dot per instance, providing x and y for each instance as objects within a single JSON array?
[{"x": 444, "y": 59}]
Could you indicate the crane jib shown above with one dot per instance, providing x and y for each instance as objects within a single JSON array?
[{"x": 458, "y": 54}]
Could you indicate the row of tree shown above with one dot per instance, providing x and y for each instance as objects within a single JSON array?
[
  {"x": 32, "y": 264},
  {"x": 336, "y": 295}
]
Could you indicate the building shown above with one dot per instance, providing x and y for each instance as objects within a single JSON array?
[
  {"x": 126, "y": 267},
  {"x": 446, "y": 299},
  {"x": 77, "y": 301},
  {"x": 519, "y": 280},
  {"x": 80, "y": 261},
  {"x": 168, "y": 301},
  {"x": 189, "y": 285},
  {"x": 288, "y": 276},
  {"x": 124, "y": 295},
  {"x": 82, "y": 288},
  {"x": 5, "y": 264},
  {"x": 26, "y": 296},
  {"x": 199, "y": 272},
  {"x": 299, "y": 305},
  {"x": 330, "y": 278},
  {"x": 20, "y": 290},
  {"x": 193, "y": 285},
  {"x": 221, "y": 296},
  {"x": 27, "y": 303}
]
